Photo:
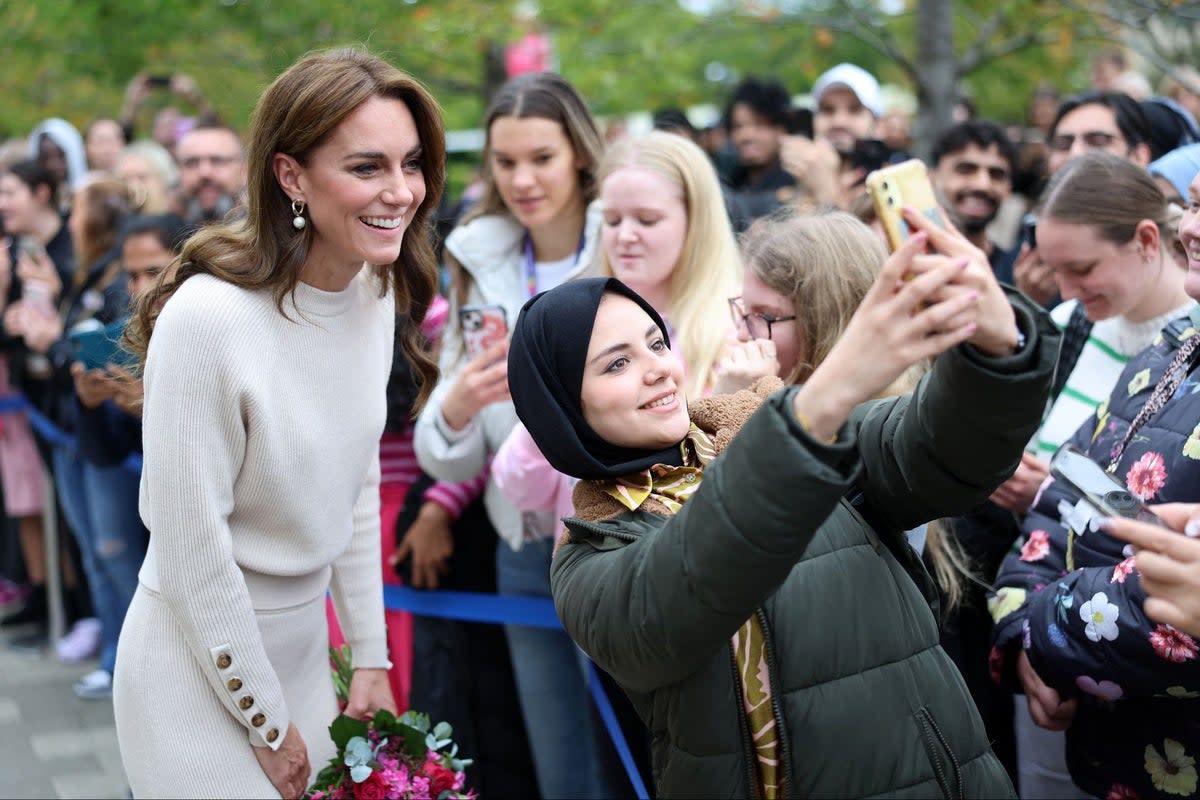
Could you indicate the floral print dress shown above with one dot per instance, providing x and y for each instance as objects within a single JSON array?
[{"x": 1073, "y": 601}]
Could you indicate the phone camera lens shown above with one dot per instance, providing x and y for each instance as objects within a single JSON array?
[
  {"x": 1121, "y": 501},
  {"x": 891, "y": 201}
]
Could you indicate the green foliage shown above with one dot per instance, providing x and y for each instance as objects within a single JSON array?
[
  {"x": 341, "y": 664},
  {"x": 74, "y": 58},
  {"x": 346, "y": 728}
]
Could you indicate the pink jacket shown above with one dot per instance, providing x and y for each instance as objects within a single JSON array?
[{"x": 527, "y": 480}]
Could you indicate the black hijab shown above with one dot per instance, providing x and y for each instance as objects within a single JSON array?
[{"x": 546, "y": 361}]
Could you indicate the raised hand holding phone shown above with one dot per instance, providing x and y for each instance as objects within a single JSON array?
[
  {"x": 900, "y": 323},
  {"x": 483, "y": 381},
  {"x": 1168, "y": 562},
  {"x": 997, "y": 334}
]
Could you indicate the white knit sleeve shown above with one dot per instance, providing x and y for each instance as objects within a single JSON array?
[
  {"x": 195, "y": 440},
  {"x": 357, "y": 582}
]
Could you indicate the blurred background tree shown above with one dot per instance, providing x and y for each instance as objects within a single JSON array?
[{"x": 74, "y": 58}]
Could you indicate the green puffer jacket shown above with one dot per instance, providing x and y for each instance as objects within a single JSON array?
[{"x": 870, "y": 705}]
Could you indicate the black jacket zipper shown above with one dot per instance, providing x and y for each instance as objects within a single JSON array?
[
  {"x": 785, "y": 761},
  {"x": 958, "y": 781},
  {"x": 744, "y": 726}
]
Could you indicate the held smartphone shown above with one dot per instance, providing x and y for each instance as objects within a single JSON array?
[
  {"x": 98, "y": 346},
  {"x": 1093, "y": 485},
  {"x": 158, "y": 81},
  {"x": 892, "y": 188},
  {"x": 482, "y": 327}
]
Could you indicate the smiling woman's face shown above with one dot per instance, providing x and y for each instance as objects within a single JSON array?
[{"x": 632, "y": 393}]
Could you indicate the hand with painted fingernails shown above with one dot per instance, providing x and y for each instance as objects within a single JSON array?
[{"x": 996, "y": 335}]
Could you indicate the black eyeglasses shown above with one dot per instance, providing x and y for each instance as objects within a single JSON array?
[
  {"x": 755, "y": 322},
  {"x": 1062, "y": 142}
]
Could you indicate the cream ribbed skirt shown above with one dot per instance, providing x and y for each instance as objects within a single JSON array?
[{"x": 177, "y": 739}]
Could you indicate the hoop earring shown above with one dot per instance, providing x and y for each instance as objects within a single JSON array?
[{"x": 298, "y": 210}]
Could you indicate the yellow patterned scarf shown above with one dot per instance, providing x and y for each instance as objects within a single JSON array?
[{"x": 672, "y": 486}]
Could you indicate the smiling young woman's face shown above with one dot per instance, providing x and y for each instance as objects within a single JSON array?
[{"x": 632, "y": 391}]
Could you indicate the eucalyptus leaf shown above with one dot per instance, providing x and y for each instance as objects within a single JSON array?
[
  {"x": 417, "y": 720},
  {"x": 346, "y": 728},
  {"x": 443, "y": 730}
]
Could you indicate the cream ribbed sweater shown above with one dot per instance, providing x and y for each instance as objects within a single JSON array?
[{"x": 261, "y": 438}]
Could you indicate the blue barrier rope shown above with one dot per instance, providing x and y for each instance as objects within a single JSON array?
[
  {"x": 600, "y": 698},
  {"x": 13, "y": 403},
  {"x": 533, "y": 612}
]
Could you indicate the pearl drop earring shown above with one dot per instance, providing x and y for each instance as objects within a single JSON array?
[{"x": 298, "y": 209}]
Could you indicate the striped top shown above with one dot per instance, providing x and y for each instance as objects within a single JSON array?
[
  {"x": 1111, "y": 344},
  {"x": 398, "y": 465},
  {"x": 398, "y": 459}
]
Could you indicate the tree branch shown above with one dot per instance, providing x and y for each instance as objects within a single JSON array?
[
  {"x": 883, "y": 37},
  {"x": 980, "y": 56}
]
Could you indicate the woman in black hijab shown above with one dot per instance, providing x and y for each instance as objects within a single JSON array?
[{"x": 741, "y": 601}]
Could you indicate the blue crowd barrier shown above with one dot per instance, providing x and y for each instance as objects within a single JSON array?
[
  {"x": 493, "y": 609},
  {"x": 41, "y": 424}
]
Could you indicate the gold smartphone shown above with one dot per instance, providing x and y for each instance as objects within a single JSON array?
[{"x": 892, "y": 188}]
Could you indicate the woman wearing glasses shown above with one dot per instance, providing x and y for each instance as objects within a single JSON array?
[{"x": 804, "y": 278}]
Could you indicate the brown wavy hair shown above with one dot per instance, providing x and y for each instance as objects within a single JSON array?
[
  {"x": 297, "y": 113},
  {"x": 103, "y": 206}
]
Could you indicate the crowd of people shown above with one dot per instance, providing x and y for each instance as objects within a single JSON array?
[{"x": 789, "y": 492}]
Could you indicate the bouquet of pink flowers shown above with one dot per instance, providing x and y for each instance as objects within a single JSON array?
[{"x": 387, "y": 757}]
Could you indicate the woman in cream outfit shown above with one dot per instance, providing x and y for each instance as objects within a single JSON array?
[{"x": 264, "y": 379}]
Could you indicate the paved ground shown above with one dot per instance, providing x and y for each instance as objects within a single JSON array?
[{"x": 52, "y": 744}]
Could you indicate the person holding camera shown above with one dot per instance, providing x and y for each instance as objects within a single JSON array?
[
  {"x": 831, "y": 155},
  {"x": 168, "y": 123},
  {"x": 717, "y": 560},
  {"x": 1071, "y": 628}
]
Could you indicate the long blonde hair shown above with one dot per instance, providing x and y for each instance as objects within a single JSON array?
[
  {"x": 295, "y": 115},
  {"x": 709, "y": 269}
]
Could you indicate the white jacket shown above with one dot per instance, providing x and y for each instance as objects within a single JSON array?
[{"x": 490, "y": 248}]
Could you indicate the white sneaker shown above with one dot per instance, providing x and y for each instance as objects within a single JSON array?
[
  {"x": 96, "y": 685},
  {"x": 81, "y": 642}
]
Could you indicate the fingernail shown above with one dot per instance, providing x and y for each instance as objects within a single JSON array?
[
  {"x": 963, "y": 263},
  {"x": 1103, "y": 523},
  {"x": 1192, "y": 529},
  {"x": 974, "y": 295}
]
